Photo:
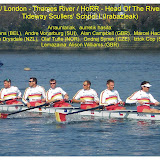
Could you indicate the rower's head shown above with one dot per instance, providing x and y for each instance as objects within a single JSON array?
[
  {"x": 145, "y": 85},
  {"x": 52, "y": 83},
  {"x": 32, "y": 82},
  {"x": 86, "y": 85},
  {"x": 7, "y": 83},
  {"x": 110, "y": 84}
]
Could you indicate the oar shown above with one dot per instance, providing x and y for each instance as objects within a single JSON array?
[
  {"x": 133, "y": 104},
  {"x": 60, "y": 117},
  {"x": 5, "y": 115},
  {"x": 152, "y": 104},
  {"x": 5, "y": 100},
  {"x": 129, "y": 104}
]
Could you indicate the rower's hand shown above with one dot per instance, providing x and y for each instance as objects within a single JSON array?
[
  {"x": 121, "y": 103},
  {"x": 66, "y": 97},
  {"x": 43, "y": 100},
  {"x": 82, "y": 101},
  {"x": 97, "y": 102},
  {"x": 140, "y": 102},
  {"x": 28, "y": 105},
  {"x": 2, "y": 100},
  {"x": 156, "y": 103}
]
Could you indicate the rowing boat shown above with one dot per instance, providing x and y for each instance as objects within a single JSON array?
[
  {"x": 20, "y": 107},
  {"x": 123, "y": 114}
]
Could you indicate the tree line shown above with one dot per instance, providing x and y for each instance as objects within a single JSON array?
[{"x": 13, "y": 21}]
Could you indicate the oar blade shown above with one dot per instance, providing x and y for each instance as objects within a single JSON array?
[
  {"x": 60, "y": 117},
  {"x": 3, "y": 115}
]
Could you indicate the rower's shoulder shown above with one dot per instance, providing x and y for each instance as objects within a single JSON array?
[
  {"x": 38, "y": 86},
  {"x": 92, "y": 90},
  {"x": 2, "y": 89},
  {"x": 136, "y": 92},
  {"x": 103, "y": 91},
  {"x": 14, "y": 87},
  {"x": 58, "y": 88},
  {"x": 80, "y": 91}
]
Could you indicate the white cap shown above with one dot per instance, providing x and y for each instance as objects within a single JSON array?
[{"x": 146, "y": 85}]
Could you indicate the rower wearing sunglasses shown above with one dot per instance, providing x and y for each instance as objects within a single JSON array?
[
  {"x": 34, "y": 95},
  {"x": 143, "y": 99},
  {"x": 87, "y": 96},
  {"x": 10, "y": 94},
  {"x": 57, "y": 93}
]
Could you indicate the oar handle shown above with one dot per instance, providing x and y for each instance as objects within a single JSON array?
[
  {"x": 29, "y": 109},
  {"x": 60, "y": 117},
  {"x": 133, "y": 104},
  {"x": 5, "y": 100},
  {"x": 4, "y": 115},
  {"x": 83, "y": 110},
  {"x": 68, "y": 101},
  {"x": 45, "y": 104},
  {"x": 153, "y": 104}
]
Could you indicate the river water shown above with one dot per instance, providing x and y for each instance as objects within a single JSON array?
[{"x": 44, "y": 137}]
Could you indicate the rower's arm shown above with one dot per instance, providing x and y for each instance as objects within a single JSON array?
[
  {"x": 25, "y": 96},
  {"x": 102, "y": 99},
  {"x": 19, "y": 94},
  {"x": 66, "y": 96},
  {"x": 76, "y": 100},
  {"x": 51, "y": 100}
]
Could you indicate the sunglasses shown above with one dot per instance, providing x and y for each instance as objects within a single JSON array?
[
  {"x": 52, "y": 83},
  {"x": 31, "y": 81}
]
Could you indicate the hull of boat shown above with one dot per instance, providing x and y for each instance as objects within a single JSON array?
[{"x": 125, "y": 114}]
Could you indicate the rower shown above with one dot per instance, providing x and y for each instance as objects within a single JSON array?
[
  {"x": 87, "y": 97},
  {"x": 9, "y": 93},
  {"x": 57, "y": 93},
  {"x": 110, "y": 97},
  {"x": 143, "y": 99},
  {"x": 34, "y": 95}
]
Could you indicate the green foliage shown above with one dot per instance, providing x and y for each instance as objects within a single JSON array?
[{"x": 147, "y": 21}]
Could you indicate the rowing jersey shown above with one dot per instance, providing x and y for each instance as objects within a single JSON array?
[
  {"x": 141, "y": 95},
  {"x": 10, "y": 93},
  {"x": 56, "y": 93},
  {"x": 89, "y": 96},
  {"x": 108, "y": 97},
  {"x": 33, "y": 94}
]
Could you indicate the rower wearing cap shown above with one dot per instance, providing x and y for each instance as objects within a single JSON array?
[
  {"x": 110, "y": 97},
  {"x": 87, "y": 96},
  {"x": 143, "y": 99},
  {"x": 34, "y": 95},
  {"x": 9, "y": 93},
  {"x": 57, "y": 93}
]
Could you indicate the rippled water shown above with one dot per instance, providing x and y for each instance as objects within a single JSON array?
[{"x": 44, "y": 137}]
